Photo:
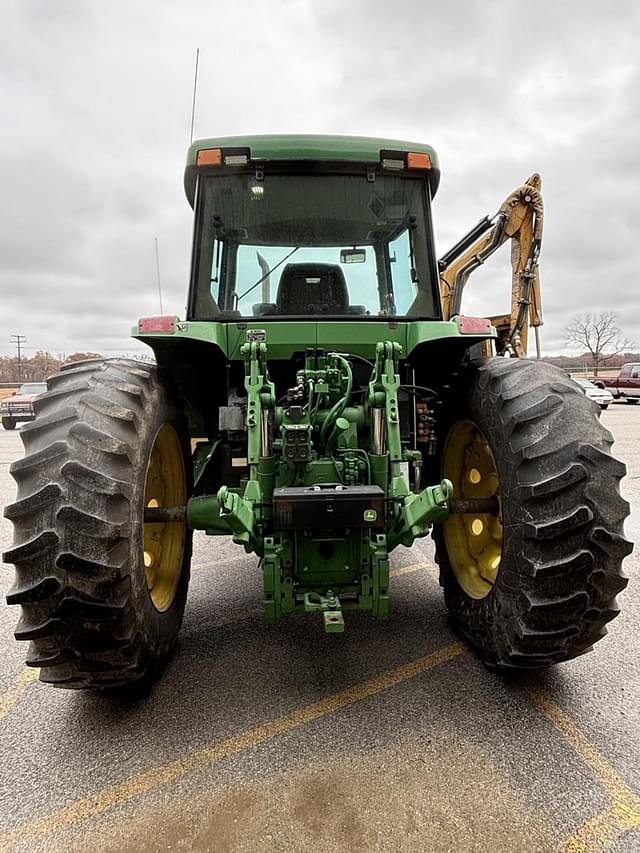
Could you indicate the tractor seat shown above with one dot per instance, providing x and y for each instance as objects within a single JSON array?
[{"x": 312, "y": 289}]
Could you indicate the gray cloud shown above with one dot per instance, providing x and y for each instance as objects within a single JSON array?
[{"x": 95, "y": 104}]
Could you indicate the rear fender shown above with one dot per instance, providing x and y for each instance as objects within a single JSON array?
[{"x": 195, "y": 372}]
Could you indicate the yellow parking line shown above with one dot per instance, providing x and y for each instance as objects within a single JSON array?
[
  {"x": 598, "y": 833},
  {"x": 403, "y": 570},
  {"x": 407, "y": 570},
  {"x": 220, "y": 564},
  {"x": 594, "y": 759},
  {"x": 394, "y": 573},
  {"x": 257, "y": 611},
  {"x": 9, "y": 698},
  {"x": 427, "y": 564},
  {"x": 142, "y": 783},
  {"x": 601, "y": 830}
]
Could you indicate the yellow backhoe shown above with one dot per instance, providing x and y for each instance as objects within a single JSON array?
[{"x": 519, "y": 219}]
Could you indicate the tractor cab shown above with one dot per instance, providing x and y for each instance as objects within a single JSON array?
[{"x": 311, "y": 227}]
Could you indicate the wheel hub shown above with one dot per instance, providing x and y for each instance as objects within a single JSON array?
[
  {"x": 163, "y": 543},
  {"x": 473, "y": 539}
]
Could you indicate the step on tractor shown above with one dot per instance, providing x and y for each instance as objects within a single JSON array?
[{"x": 324, "y": 400}]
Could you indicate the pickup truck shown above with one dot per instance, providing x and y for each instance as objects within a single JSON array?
[
  {"x": 19, "y": 406},
  {"x": 626, "y": 384}
]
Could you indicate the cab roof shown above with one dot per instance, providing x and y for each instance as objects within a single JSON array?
[{"x": 323, "y": 148}]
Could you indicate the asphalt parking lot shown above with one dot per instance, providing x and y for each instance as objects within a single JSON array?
[{"x": 284, "y": 738}]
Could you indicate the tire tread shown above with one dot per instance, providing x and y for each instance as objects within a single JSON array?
[
  {"x": 73, "y": 524},
  {"x": 566, "y": 514}
]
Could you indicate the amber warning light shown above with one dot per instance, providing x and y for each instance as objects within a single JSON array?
[
  {"x": 209, "y": 157},
  {"x": 418, "y": 160},
  {"x": 157, "y": 324}
]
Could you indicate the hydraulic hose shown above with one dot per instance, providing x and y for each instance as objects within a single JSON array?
[{"x": 338, "y": 407}]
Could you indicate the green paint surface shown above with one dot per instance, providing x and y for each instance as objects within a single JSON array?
[
  {"x": 320, "y": 148},
  {"x": 287, "y": 337}
]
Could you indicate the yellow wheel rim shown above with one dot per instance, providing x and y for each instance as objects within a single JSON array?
[
  {"x": 163, "y": 543},
  {"x": 473, "y": 540}
]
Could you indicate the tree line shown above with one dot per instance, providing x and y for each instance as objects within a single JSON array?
[
  {"x": 598, "y": 335},
  {"x": 37, "y": 367}
]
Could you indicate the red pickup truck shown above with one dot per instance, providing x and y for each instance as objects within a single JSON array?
[
  {"x": 626, "y": 384},
  {"x": 19, "y": 406}
]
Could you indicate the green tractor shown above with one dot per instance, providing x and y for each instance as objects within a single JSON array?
[{"x": 323, "y": 401}]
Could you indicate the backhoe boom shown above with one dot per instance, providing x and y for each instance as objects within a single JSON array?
[{"x": 519, "y": 219}]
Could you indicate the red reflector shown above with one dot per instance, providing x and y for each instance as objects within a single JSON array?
[
  {"x": 474, "y": 325},
  {"x": 157, "y": 324}
]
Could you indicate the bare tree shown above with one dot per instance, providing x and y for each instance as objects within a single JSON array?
[{"x": 600, "y": 334}]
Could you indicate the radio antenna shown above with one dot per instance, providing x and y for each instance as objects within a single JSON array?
[
  {"x": 195, "y": 86},
  {"x": 158, "y": 273}
]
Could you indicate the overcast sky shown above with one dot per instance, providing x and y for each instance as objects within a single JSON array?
[{"x": 95, "y": 106}]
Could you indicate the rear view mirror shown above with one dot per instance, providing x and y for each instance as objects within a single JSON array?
[{"x": 353, "y": 256}]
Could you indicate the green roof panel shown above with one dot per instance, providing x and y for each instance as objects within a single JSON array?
[{"x": 280, "y": 146}]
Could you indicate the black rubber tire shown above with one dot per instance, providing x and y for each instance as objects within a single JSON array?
[
  {"x": 563, "y": 517},
  {"x": 77, "y": 549},
  {"x": 604, "y": 406},
  {"x": 8, "y": 423}
]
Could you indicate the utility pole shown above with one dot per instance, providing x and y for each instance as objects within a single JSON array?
[{"x": 19, "y": 341}]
